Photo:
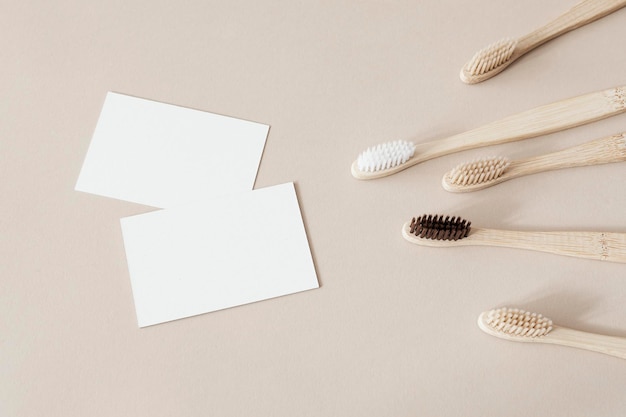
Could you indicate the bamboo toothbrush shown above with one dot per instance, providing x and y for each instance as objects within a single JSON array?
[
  {"x": 486, "y": 172},
  {"x": 496, "y": 57},
  {"x": 443, "y": 231},
  {"x": 392, "y": 157},
  {"x": 522, "y": 326}
]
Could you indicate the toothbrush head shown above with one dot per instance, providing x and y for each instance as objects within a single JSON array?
[
  {"x": 476, "y": 174},
  {"x": 514, "y": 324},
  {"x": 488, "y": 61},
  {"x": 439, "y": 227},
  {"x": 389, "y": 156}
]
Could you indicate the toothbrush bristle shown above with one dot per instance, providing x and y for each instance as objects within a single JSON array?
[
  {"x": 439, "y": 227},
  {"x": 491, "y": 57},
  {"x": 386, "y": 155},
  {"x": 478, "y": 171},
  {"x": 516, "y": 322}
]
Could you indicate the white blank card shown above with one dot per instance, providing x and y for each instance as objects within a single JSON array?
[
  {"x": 163, "y": 155},
  {"x": 221, "y": 253}
]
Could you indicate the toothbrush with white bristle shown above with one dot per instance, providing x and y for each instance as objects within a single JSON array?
[
  {"x": 521, "y": 326},
  {"x": 487, "y": 172},
  {"x": 496, "y": 57},
  {"x": 392, "y": 157},
  {"x": 445, "y": 231}
]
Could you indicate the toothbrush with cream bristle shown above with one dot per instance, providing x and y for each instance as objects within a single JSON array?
[
  {"x": 446, "y": 231},
  {"x": 522, "y": 326},
  {"x": 486, "y": 172},
  {"x": 392, "y": 157},
  {"x": 496, "y": 57}
]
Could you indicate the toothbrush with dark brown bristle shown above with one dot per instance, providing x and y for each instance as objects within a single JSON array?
[
  {"x": 496, "y": 57},
  {"x": 446, "y": 231}
]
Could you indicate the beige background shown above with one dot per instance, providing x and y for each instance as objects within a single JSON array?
[{"x": 392, "y": 329}]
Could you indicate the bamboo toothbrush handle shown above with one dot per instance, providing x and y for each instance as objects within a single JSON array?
[
  {"x": 596, "y": 152},
  {"x": 582, "y": 13},
  {"x": 609, "y": 345},
  {"x": 602, "y": 246},
  {"x": 539, "y": 121}
]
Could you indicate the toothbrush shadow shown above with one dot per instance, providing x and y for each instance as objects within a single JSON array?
[{"x": 487, "y": 215}]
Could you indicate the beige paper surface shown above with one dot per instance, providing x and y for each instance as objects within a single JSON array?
[{"x": 392, "y": 329}]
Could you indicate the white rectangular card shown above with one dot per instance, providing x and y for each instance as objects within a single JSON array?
[
  {"x": 229, "y": 251},
  {"x": 163, "y": 155}
]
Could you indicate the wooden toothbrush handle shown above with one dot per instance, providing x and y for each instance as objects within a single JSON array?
[
  {"x": 539, "y": 121},
  {"x": 602, "y": 246},
  {"x": 582, "y": 13},
  {"x": 596, "y": 152},
  {"x": 609, "y": 345}
]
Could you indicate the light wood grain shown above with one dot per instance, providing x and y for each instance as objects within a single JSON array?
[
  {"x": 581, "y": 14},
  {"x": 531, "y": 123},
  {"x": 601, "y": 151},
  {"x": 609, "y": 345},
  {"x": 602, "y": 246}
]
